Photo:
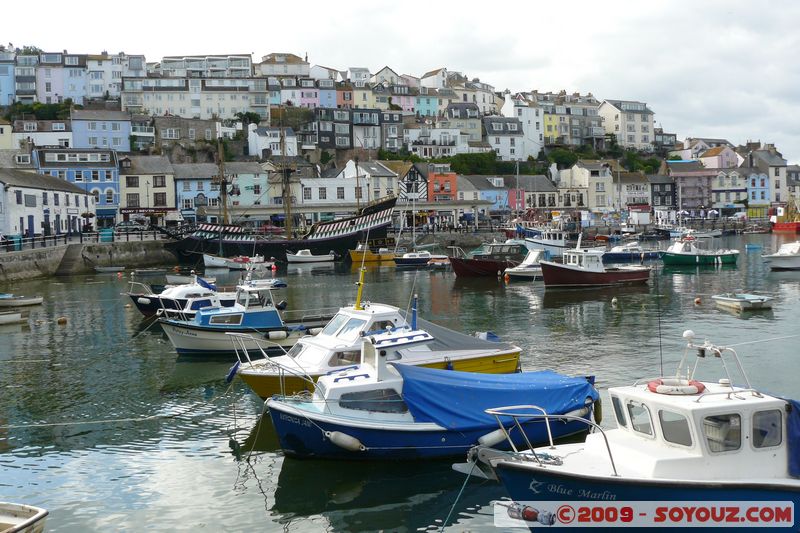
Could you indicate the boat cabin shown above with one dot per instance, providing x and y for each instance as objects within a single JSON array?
[
  {"x": 584, "y": 259},
  {"x": 499, "y": 250},
  {"x": 255, "y": 306},
  {"x": 683, "y": 428},
  {"x": 372, "y": 386}
]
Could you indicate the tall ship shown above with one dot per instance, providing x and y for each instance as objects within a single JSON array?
[{"x": 368, "y": 224}]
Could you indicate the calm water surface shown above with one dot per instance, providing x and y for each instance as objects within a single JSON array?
[{"x": 101, "y": 424}]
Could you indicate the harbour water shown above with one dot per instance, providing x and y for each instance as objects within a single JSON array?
[{"x": 105, "y": 427}]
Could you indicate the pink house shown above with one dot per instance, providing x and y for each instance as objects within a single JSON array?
[
  {"x": 309, "y": 94},
  {"x": 719, "y": 157},
  {"x": 405, "y": 97}
]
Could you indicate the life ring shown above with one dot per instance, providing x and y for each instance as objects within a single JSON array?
[{"x": 675, "y": 386}]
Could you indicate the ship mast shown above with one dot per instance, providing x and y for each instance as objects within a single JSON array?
[{"x": 223, "y": 183}]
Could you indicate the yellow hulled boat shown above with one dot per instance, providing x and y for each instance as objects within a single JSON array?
[
  {"x": 362, "y": 253},
  {"x": 337, "y": 347}
]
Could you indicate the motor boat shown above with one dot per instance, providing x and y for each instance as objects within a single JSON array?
[{"x": 786, "y": 258}]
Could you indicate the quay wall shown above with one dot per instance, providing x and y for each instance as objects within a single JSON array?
[{"x": 81, "y": 258}]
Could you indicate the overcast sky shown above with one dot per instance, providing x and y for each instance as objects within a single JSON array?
[{"x": 706, "y": 68}]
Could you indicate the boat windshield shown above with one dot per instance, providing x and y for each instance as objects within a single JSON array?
[
  {"x": 351, "y": 330},
  {"x": 333, "y": 326}
]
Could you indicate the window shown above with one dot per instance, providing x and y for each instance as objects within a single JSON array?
[
  {"x": 188, "y": 203},
  {"x": 200, "y": 186},
  {"x": 109, "y": 196},
  {"x": 95, "y": 175},
  {"x": 132, "y": 199},
  {"x": 640, "y": 418},
  {"x": 767, "y": 428},
  {"x": 55, "y": 198},
  {"x": 340, "y": 193},
  {"x": 675, "y": 428},
  {"x": 358, "y": 193},
  {"x": 380, "y": 400},
  {"x": 323, "y": 193},
  {"x": 131, "y": 181},
  {"x": 160, "y": 199},
  {"x": 115, "y": 126},
  {"x": 191, "y": 133},
  {"x": 208, "y": 134},
  {"x": 159, "y": 181},
  {"x": 723, "y": 432},
  {"x": 18, "y": 196},
  {"x": 619, "y": 412},
  {"x": 306, "y": 193},
  {"x": 171, "y": 133},
  {"x": 92, "y": 141},
  {"x": 228, "y": 318},
  {"x": 92, "y": 126}
]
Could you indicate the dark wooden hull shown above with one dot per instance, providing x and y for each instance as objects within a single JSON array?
[
  {"x": 556, "y": 275},
  {"x": 481, "y": 267}
]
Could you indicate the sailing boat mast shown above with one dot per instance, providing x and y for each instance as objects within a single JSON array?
[
  {"x": 223, "y": 182},
  {"x": 358, "y": 187},
  {"x": 285, "y": 180}
]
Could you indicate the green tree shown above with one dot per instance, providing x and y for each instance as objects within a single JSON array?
[
  {"x": 325, "y": 157},
  {"x": 248, "y": 117},
  {"x": 674, "y": 157},
  {"x": 562, "y": 157}
]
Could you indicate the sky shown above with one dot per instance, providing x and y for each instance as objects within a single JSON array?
[{"x": 708, "y": 68}]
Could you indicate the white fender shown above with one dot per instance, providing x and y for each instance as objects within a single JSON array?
[
  {"x": 313, "y": 331},
  {"x": 143, "y": 301},
  {"x": 490, "y": 439},
  {"x": 277, "y": 334},
  {"x": 345, "y": 441}
]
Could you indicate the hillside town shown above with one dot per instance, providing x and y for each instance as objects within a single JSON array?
[{"x": 90, "y": 141}]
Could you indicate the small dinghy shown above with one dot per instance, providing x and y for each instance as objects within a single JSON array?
[
  {"x": 10, "y": 300},
  {"x": 742, "y": 302},
  {"x": 19, "y": 518}
]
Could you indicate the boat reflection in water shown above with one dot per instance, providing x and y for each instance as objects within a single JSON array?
[{"x": 634, "y": 294}]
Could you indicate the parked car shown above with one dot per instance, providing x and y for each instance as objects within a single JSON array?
[{"x": 129, "y": 226}]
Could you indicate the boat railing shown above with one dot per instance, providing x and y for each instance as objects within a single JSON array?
[
  {"x": 305, "y": 315},
  {"x": 458, "y": 252},
  {"x": 512, "y": 411},
  {"x": 240, "y": 341},
  {"x": 146, "y": 289}
]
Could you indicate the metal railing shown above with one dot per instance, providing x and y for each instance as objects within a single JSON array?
[
  {"x": 17, "y": 244},
  {"x": 240, "y": 342},
  {"x": 509, "y": 411}
]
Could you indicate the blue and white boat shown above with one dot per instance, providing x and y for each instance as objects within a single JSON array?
[
  {"x": 677, "y": 440},
  {"x": 630, "y": 252},
  {"x": 380, "y": 410},
  {"x": 255, "y": 312},
  {"x": 185, "y": 298}
]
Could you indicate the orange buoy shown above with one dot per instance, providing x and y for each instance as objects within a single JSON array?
[
  {"x": 507, "y": 278},
  {"x": 697, "y": 301},
  {"x": 61, "y": 320}
]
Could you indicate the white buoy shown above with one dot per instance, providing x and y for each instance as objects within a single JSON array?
[
  {"x": 345, "y": 441},
  {"x": 614, "y": 301},
  {"x": 277, "y": 335}
]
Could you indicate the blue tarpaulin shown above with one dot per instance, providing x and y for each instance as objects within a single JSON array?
[
  {"x": 793, "y": 437},
  {"x": 457, "y": 400},
  {"x": 207, "y": 285}
]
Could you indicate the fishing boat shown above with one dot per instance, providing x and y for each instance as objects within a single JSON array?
[
  {"x": 553, "y": 241},
  {"x": 740, "y": 301},
  {"x": 186, "y": 298},
  {"x": 790, "y": 221},
  {"x": 491, "y": 259},
  {"x": 384, "y": 410},
  {"x": 631, "y": 251},
  {"x": 305, "y": 256},
  {"x": 420, "y": 258},
  {"x": 529, "y": 268},
  {"x": 13, "y": 317},
  {"x": 364, "y": 253},
  {"x": 254, "y": 312},
  {"x": 338, "y": 346},
  {"x": 786, "y": 258},
  {"x": 10, "y": 300},
  {"x": 677, "y": 440},
  {"x": 687, "y": 252},
  {"x": 19, "y": 518},
  {"x": 341, "y": 235},
  {"x": 583, "y": 267},
  {"x": 702, "y": 234}
]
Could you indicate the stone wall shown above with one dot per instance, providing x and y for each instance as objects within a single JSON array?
[{"x": 81, "y": 259}]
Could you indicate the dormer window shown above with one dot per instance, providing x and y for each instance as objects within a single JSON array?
[{"x": 23, "y": 159}]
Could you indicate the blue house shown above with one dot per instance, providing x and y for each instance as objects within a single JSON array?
[
  {"x": 7, "y": 78},
  {"x": 490, "y": 189},
  {"x": 94, "y": 171},
  {"x": 758, "y": 189},
  {"x": 101, "y": 129},
  {"x": 196, "y": 193},
  {"x": 327, "y": 93}
]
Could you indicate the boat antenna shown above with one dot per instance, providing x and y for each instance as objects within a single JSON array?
[{"x": 361, "y": 271}]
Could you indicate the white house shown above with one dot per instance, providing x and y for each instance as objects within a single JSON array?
[
  {"x": 531, "y": 116},
  {"x": 431, "y": 142},
  {"x": 264, "y": 142},
  {"x": 37, "y": 204},
  {"x": 43, "y": 133},
  {"x": 631, "y": 122},
  {"x": 504, "y": 135},
  {"x": 374, "y": 179}
]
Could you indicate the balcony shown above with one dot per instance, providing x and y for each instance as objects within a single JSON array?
[{"x": 148, "y": 131}]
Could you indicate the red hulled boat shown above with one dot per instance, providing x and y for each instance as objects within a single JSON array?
[
  {"x": 491, "y": 259},
  {"x": 583, "y": 267}
]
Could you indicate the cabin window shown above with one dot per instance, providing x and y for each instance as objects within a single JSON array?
[
  {"x": 229, "y": 319},
  {"x": 381, "y": 326},
  {"x": 767, "y": 428},
  {"x": 640, "y": 418},
  {"x": 334, "y": 325},
  {"x": 345, "y": 358},
  {"x": 619, "y": 412},
  {"x": 723, "y": 432},
  {"x": 199, "y": 304},
  {"x": 381, "y": 400},
  {"x": 351, "y": 330},
  {"x": 675, "y": 428},
  {"x": 295, "y": 350}
]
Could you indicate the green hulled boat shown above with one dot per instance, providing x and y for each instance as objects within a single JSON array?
[{"x": 686, "y": 252}]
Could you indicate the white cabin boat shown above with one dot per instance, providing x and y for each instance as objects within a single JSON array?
[
  {"x": 530, "y": 267},
  {"x": 742, "y": 302},
  {"x": 786, "y": 258},
  {"x": 553, "y": 241},
  {"x": 10, "y": 300},
  {"x": 305, "y": 256},
  {"x": 677, "y": 439}
]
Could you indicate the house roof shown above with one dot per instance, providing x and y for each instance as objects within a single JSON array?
[
  {"x": 618, "y": 104},
  {"x": 99, "y": 114},
  {"x": 330, "y": 173},
  {"x": 41, "y": 125},
  {"x": 147, "y": 164},
  {"x": 111, "y": 163},
  {"x": 659, "y": 178},
  {"x": 265, "y": 131},
  {"x": 528, "y": 183},
  {"x": 184, "y": 171},
  {"x": 770, "y": 158},
  {"x": 481, "y": 183},
  {"x": 375, "y": 169},
  {"x": 8, "y": 159},
  {"x": 599, "y": 164},
  {"x": 20, "y": 178},
  {"x": 631, "y": 177},
  {"x": 400, "y": 168},
  {"x": 283, "y": 58},
  {"x": 503, "y": 123},
  {"x": 684, "y": 166},
  {"x": 432, "y": 72},
  {"x": 462, "y": 109},
  {"x": 711, "y": 152}
]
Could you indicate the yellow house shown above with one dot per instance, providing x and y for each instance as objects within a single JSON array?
[
  {"x": 362, "y": 96},
  {"x": 6, "y": 135},
  {"x": 550, "y": 127}
]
